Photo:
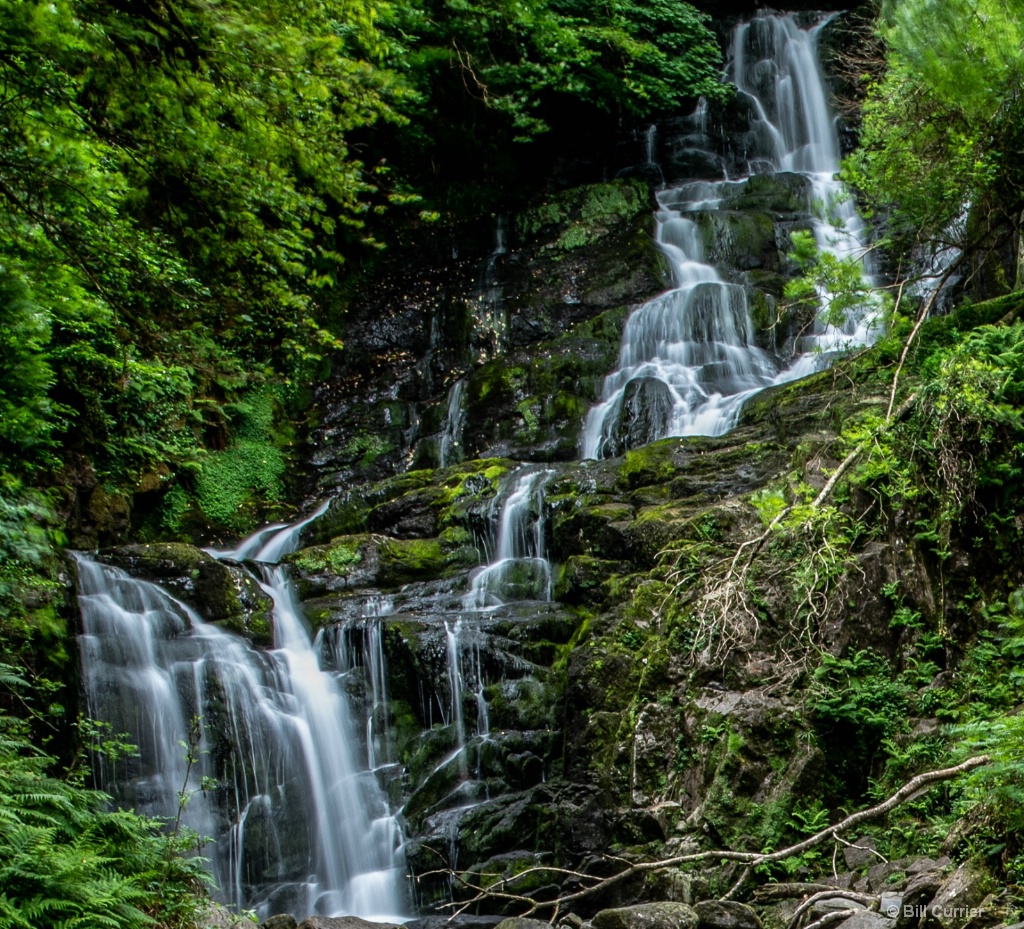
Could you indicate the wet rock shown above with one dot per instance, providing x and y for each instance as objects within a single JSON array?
[
  {"x": 861, "y": 853},
  {"x": 782, "y": 192},
  {"x": 458, "y": 921},
  {"x": 725, "y": 914},
  {"x": 644, "y": 415},
  {"x": 647, "y": 916},
  {"x": 283, "y": 921},
  {"x": 744, "y": 241},
  {"x": 221, "y": 593}
]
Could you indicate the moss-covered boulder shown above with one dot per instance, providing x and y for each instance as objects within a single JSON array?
[{"x": 220, "y": 593}]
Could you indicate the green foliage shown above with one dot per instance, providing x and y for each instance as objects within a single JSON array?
[
  {"x": 249, "y": 470},
  {"x": 66, "y": 861},
  {"x": 857, "y": 703},
  {"x": 639, "y": 56},
  {"x": 942, "y": 123},
  {"x": 836, "y": 285}
]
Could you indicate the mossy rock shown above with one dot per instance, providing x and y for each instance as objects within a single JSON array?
[
  {"x": 404, "y": 560},
  {"x": 223, "y": 594},
  {"x": 783, "y": 192},
  {"x": 739, "y": 240},
  {"x": 583, "y": 579},
  {"x": 584, "y": 215},
  {"x": 599, "y": 531},
  {"x": 652, "y": 464}
]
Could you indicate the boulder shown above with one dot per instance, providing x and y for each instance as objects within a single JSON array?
[
  {"x": 961, "y": 892},
  {"x": 282, "y": 921},
  {"x": 519, "y": 922},
  {"x": 643, "y": 416},
  {"x": 920, "y": 890},
  {"x": 342, "y": 922},
  {"x": 725, "y": 914},
  {"x": 865, "y": 919},
  {"x": 648, "y": 916},
  {"x": 891, "y": 905},
  {"x": 834, "y": 905},
  {"x": 221, "y": 593},
  {"x": 860, "y": 854}
]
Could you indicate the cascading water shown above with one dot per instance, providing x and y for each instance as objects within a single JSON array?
[
  {"x": 299, "y": 824},
  {"x": 450, "y": 450},
  {"x": 519, "y": 570},
  {"x": 360, "y": 644},
  {"x": 688, "y": 358},
  {"x": 491, "y": 320}
]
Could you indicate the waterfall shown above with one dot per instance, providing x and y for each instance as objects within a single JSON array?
[
  {"x": 298, "y": 820},
  {"x": 352, "y": 645},
  {"x": 519, "y": 570},
  {"x": 491, "y": 321},
  {"x": 688, "y": 358},
  {"x": 451, "y": 436}
]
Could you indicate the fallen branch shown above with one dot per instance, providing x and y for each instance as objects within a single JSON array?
[
  {"x": 845, "y": 464},
  {"x": 921, "y": 317},
  {"x": 832, "y": 894},
  {"x": 499, "y": 889}
]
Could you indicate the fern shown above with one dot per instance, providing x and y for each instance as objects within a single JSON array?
[{"x": 67, "y": 862}]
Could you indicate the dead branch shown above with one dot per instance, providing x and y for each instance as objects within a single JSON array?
[
  {"x": 500, "y": 889},
  {"x": 832, "y": 894},
  {"x": 845, "y": 464},
  {"x": 787, "y": 891},
  {"x": 921, "y": 317}
]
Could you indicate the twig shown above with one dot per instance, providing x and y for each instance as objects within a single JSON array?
[{"x": 865, "y": 848}]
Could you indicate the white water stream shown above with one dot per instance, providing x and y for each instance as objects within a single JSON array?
[
  {"x": 688, "y": 357},
  {"x": 279, "y": 782}
]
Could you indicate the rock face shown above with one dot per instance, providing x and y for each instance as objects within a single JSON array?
[{"x": 725, "y": 914}]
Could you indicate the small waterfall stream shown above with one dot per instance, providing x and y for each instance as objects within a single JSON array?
[
  {"x": 688, "y": 358},
  {"x": 519, "y": 570},
  {"x": 297, "y": 819}
]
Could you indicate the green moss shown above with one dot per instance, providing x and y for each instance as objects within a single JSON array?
[
  {"x": 234, "y": 484},
  {"x": 404, "y": 560},
  {"x": 591, "y": 212},
  {"x": 337, "y": 557},
  {"x": 651, "y": 464},
  {"x": 367, "y": 448}
]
